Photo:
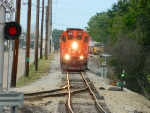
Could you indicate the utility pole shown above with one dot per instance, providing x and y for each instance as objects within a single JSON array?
[
  {"x": 46, "y": 40},
  {"x": 2, "y": 20},
  {"x": 37, "y": 35},
  {"x": 27, "y": 58},
  {"x": 16, "y": 46},
  {"x": 42, "y": 29},
  {"x": 50, "y": 25},
  {"x": 10, "y": 56}
]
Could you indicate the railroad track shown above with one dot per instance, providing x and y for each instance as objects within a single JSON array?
[
  {"x": 80, "y": 96},
  {"x": 76, "y": 101},
  {"x": 36, "y": 96}
]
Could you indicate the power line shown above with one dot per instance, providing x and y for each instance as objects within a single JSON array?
[
  {"x": 56, "y": 9},
  {"x": 24, "y": 3},
  {"x": 73, "y": 19},
  {"x": 66, "y": 25},
  {"x": 80, "y": 5},
  {"x": 77, "y": 13}
]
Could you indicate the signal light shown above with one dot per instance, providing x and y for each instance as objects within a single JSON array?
[
  {"x": 67, "y": 57},
  {"x": 122, "y": 74},
  {"x": 81, "y": 57},
  {"x": 74, "y": 45},
  {"x": 12, "y": 30}
]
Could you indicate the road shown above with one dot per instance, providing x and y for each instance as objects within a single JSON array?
[{"x": 21, "y": 65}]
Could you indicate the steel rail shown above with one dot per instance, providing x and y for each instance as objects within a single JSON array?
[
  {"x": 79, "y": 90},
  {"x": 69, "y": 94},
  {"x": 43, "y": 92},
  {"x": 40, "y": 97},
  {"x": 102, "y": 110}
]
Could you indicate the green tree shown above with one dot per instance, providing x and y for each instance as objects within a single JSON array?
[
  {"x": 126, "y": 33},
  {"x": 97, "y": 27},
  {"x": 56, "y": 35}
]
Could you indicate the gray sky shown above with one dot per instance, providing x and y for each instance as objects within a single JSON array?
[{"x": 67, "y": 13}]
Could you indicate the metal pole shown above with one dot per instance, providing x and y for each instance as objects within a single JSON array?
[
  {"x": 10, "y": 56},
  {"x": 105, "y": 58},
  {"x": 103, "y": 70},
  {"x": 122, "y": 86},
  {"x": 2, "y": 21}
]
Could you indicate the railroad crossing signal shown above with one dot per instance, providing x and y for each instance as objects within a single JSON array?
[
  {"x": 122, "y": 75},
  {"x": 12, "y": 30},
  {"x": 8, "y": 6}
]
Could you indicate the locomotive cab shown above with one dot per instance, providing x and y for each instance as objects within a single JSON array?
[{"x": 74, "y": 49}]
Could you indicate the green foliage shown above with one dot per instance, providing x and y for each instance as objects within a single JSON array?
[
  {"x": 115, "y": 27},
  {"x": 56, "y": 35},
  {"x": 148, "y": 89},
  {"x": 97, "y": 27},
  {"x": 102, "y": 60},
  {"x": 148, "y": 77},
  {"x": 113, "y": 77},
  {"x": 126, "y": 33},
  {"x": 113, "y": 62},
  {"x": 129, "y": 20}
]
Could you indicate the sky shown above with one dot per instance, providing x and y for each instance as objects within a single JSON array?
[{"x": 66, "y": 13}]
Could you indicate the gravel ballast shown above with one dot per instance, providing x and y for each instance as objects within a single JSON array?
[{"x": 124, "y": 101}]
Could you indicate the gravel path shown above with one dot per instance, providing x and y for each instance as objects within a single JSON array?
[{"x": 117, "y": 101}]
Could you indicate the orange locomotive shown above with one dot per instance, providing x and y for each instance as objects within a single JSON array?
[{"x": 74, "y": 49}]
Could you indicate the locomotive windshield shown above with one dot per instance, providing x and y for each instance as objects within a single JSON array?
[
  {"x": 70, "y": 37},
  {"x": 85, "y": 39},
  {"x": 78, "y": 38},
  {"x": 63, "y": 39}
]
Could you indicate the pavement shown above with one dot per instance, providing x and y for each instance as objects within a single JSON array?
[{"x": 21, "y": 65}]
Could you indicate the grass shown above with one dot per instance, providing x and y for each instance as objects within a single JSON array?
[
  {"x": 43, "y": 68},
  {"x": 102, "y": 60},
  {"x": 113, "y": 77}
]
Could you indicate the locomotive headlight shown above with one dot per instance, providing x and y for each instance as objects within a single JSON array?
[
  {"x": 67, "y": 57},
  {"x": 74, "y": 45},
  {"x": 81, "y": 57}
]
